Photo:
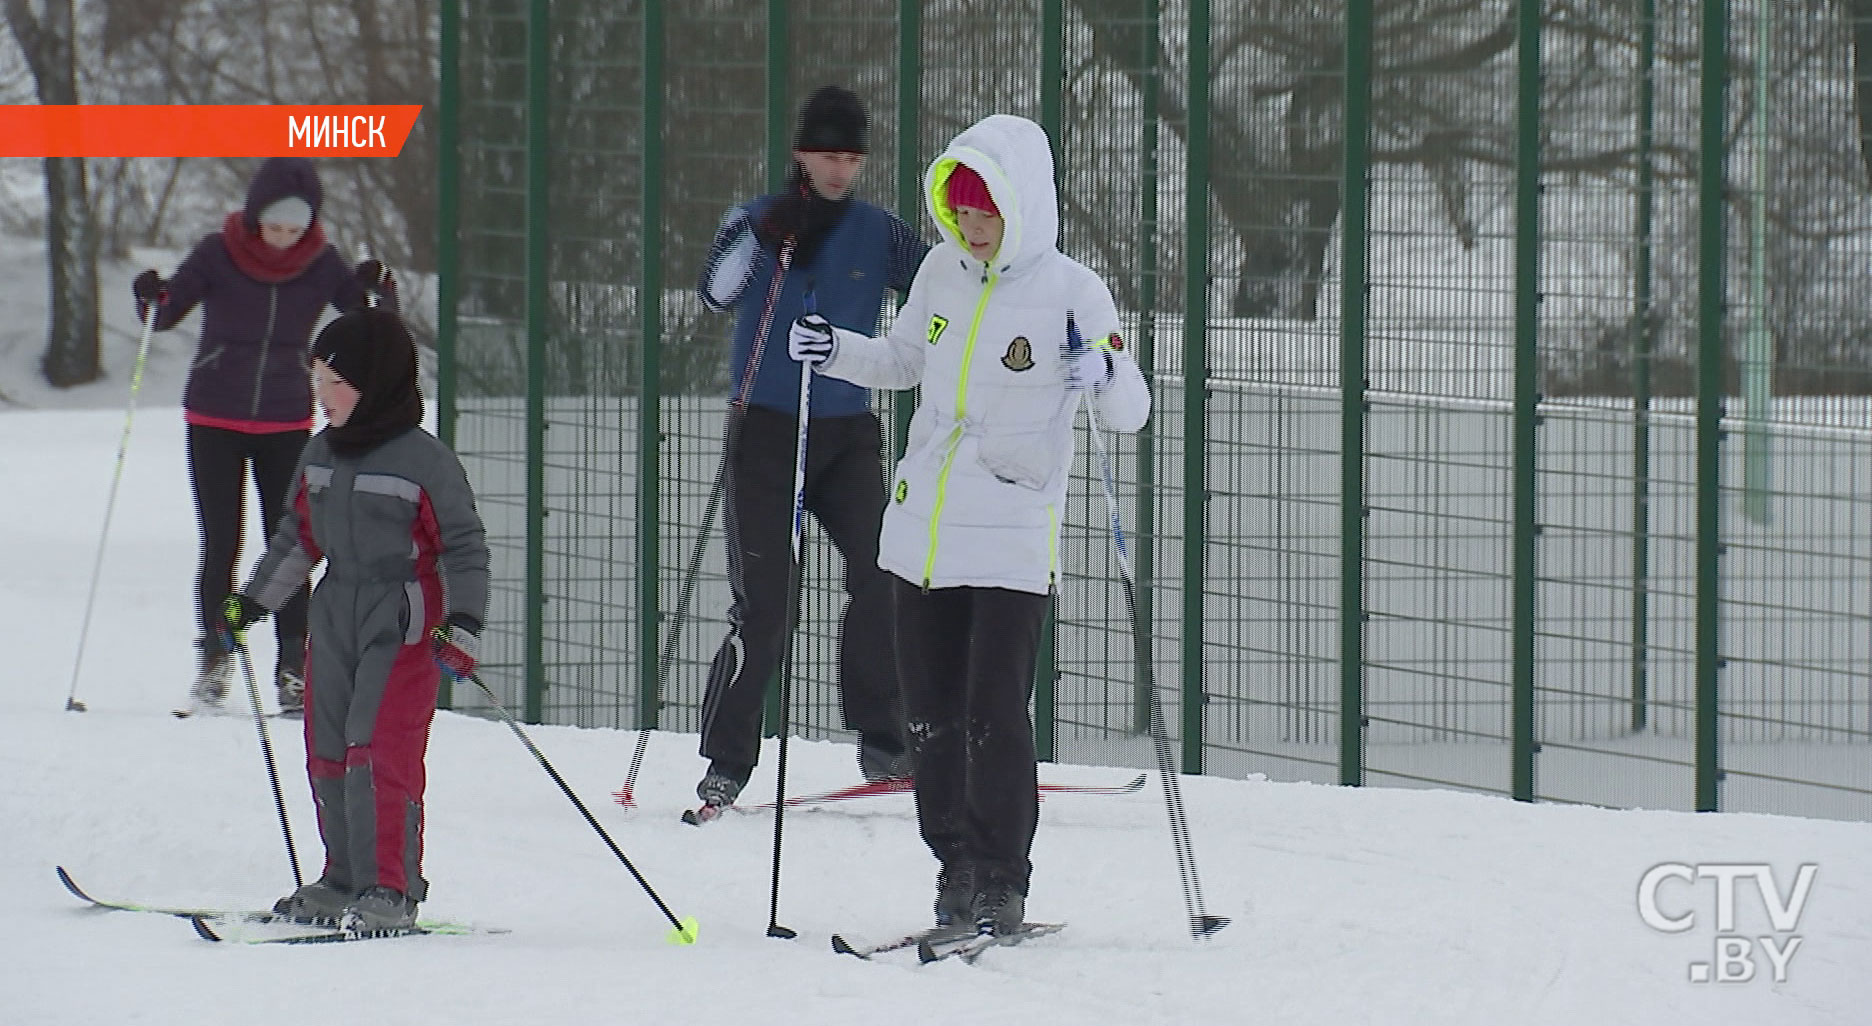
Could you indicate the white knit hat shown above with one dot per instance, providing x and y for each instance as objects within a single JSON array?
[{"x": 290, "y": 211}]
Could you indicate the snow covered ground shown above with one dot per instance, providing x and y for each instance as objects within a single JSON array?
[{"x": 1349, "y": 906}]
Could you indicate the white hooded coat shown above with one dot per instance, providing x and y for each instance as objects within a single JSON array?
[{"x": 976, "y": 500}]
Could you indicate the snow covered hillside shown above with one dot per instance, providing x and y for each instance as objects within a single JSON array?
[{"x": 1349, "y": 906}]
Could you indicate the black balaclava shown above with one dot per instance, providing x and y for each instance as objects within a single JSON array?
[{"x": 372, "y": 349}]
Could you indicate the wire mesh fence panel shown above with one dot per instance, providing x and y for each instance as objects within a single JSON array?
[
  {"x": 490, "y": 345},
  {"x": 1440, "y": 422},
  {"x": 715, "y": 141},
  {"x": 1796, "y": 636},
  {"x": 1584, "y": 410},
  {"x": 1615, "y": 646},
  {"x": 1269, "y": 561}
]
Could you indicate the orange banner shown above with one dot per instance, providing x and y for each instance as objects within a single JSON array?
[{"x": 261, "y": 130}]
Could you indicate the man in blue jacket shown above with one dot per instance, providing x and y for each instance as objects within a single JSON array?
[{"x": 810, "y": 247}]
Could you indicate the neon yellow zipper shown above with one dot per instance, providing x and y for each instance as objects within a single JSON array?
[
  {"x": 1052, "y": 548},
  {"x": 955, "y": 436}
]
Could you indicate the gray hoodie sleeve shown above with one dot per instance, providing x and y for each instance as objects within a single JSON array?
[{"x": 464, "y": 558}]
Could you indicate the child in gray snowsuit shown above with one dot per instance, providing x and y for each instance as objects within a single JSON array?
[{"x": 388, "y": 508}]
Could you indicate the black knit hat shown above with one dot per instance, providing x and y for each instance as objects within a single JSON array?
[
  {"x": 372, "y": 349},
  {"x": 833, "y": 120}
]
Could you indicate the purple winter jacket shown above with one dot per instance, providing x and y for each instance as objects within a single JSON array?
[
  {"x": 252, "y": 363},
  {"x": 252, "y": 366}
]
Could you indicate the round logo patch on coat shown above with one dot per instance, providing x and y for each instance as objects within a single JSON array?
[{"x": 1019, "y": 355}]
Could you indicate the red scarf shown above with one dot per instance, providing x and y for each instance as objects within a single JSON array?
[{"x": 263, "y": 262}]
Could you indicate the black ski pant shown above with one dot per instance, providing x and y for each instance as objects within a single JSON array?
[
  {"x": 966, "y": 658},
  {"x": 845, "y": 494},
  {"x": 218, "y": 460}
]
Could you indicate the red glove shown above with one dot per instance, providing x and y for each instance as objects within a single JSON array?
[{"x": 456, "y": 647}]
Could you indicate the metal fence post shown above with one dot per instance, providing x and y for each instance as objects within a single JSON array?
[
  {"x": 1146, "y": 354},
  {"x": 1354, "y": 307},
  {"x": 649, "y": 381},
  {"x": 1644, "y": 337},
  {"x": 448, "y": 233},
  {"x": 1526, "y": 387},
  {"x": 538, "y": 249},
  {"x": 1046, "y": 659},
  {"x": 779, "y": 162},
  {"x": 1196, "y": 264},
  {"x": 909, "y": 172},
  {"x": 1713, "y": 76}
]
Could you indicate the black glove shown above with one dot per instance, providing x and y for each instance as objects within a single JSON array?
[
  {"x": 785, "y": 218},
  {"x": 240, "y": 612},
  {"x": 148, "y": 287},
  {"x": 373, "y": 276}
]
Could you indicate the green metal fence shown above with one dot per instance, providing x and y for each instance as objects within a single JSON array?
[{"x": 1514, "y": 395}]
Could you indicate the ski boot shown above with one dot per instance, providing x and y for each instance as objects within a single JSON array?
[
  {"x": 321, "y": 901},
  {"x": 381, "y": 908},
  {"x": 290, "y": 686},
  {"x": 999, "y": 908},
  {"x": 955, "y": 896},
  {"x": 721, "y": 785}
]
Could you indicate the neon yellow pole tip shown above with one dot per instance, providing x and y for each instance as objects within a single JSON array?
[{"x": 686, "y": 933}]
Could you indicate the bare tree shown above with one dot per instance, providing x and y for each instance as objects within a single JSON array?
[{"x": 48, "y": 38}]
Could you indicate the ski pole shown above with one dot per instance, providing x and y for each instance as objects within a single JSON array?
[
  {"x": 72, "y": 704},
  {"x": 685, "y": 928},
  {"x": 774, "y": 929},
  {"x": 266, "y": 750},
  {"x": 1201, "y": 924},
  {"x": 736, "y": 410}
]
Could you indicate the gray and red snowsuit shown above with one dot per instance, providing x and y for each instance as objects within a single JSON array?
[{"x": 404, "y": 549}]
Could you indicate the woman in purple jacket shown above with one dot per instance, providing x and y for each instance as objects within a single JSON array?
[{"x": 263, "y": 282}]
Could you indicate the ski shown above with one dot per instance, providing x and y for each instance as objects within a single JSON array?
[
  {"x": 859, "y": 947},
  {"x": 216, "y": 928},
  {"x": 242, "y": 929},
  {"x": 1132, "y": 786},
  {"x": 228, "y": 919},
  {"x": 868, "y": 789},
  {"x": 970, "y": 948},
  {"x": 872, "y": 788},
  {"x": 212, "y": 711},
  {"x": 128, "y": 906}
]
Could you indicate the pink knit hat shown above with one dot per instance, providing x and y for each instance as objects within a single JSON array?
[{"x": 966, "y": 189}]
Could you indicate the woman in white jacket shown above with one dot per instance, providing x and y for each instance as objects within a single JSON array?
[{"x": 971, "y": 532}]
